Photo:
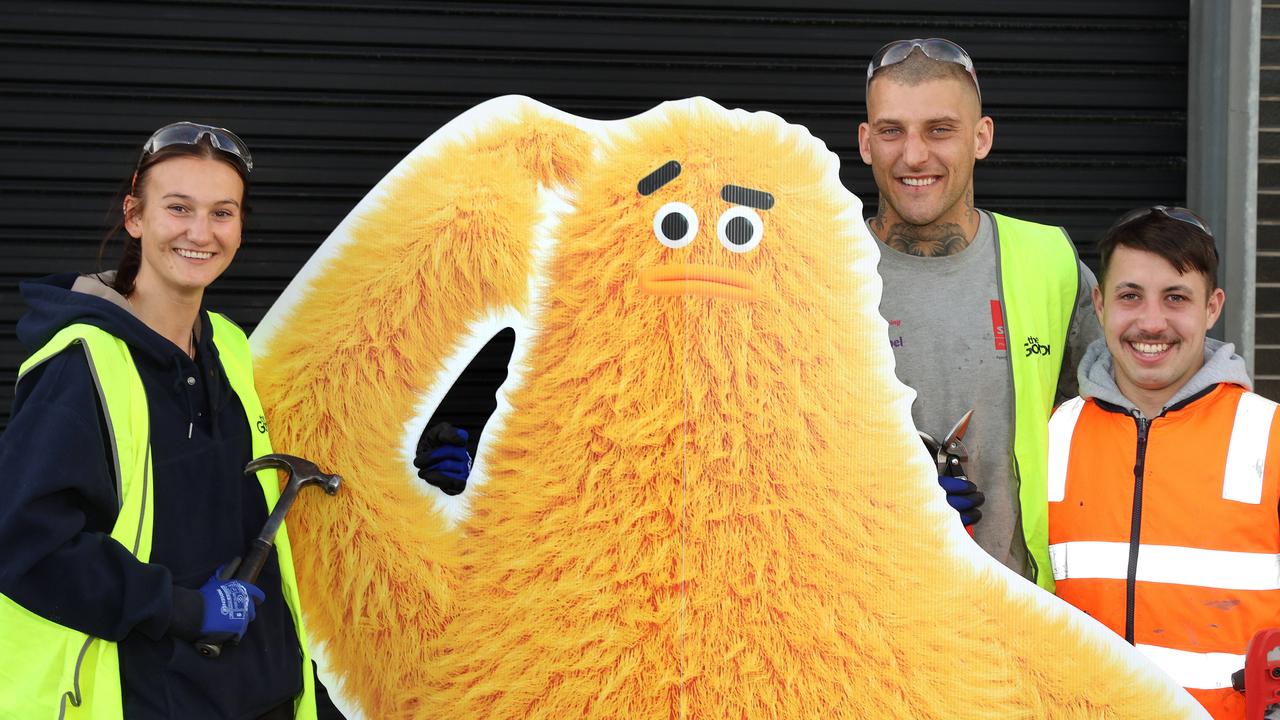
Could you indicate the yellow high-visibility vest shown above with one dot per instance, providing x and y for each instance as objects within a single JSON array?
[
  {"x": 1039, "y": 276},
  {"x": 50, "y": 671}
]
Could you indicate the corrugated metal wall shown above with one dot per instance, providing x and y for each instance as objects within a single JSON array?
[
  {"x": 1089, "y": 99},
  {"x": 1266, "y": 357}
]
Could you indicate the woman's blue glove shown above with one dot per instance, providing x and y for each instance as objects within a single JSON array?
[
  {"x": 963, "y": 496},
  {"x": 229, "y": 606},
  {"x": 442, "y": 458}
]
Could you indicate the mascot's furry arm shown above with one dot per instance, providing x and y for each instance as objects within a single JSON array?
[{"x": 450, "y": 238}]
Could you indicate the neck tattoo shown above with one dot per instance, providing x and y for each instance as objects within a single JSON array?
[{"x": 924, "y": 241}]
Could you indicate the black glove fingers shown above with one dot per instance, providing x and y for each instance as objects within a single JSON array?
[
  {"x": 444, "y": 434},
  {"x": 442, "y": 458}
]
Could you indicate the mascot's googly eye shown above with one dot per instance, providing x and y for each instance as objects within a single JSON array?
[
  {"x": 740, "y": 229},
  {"x": 676, "y": 224}
]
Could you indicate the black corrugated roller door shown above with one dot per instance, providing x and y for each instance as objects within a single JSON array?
[{"x": 1089, "y": 100}]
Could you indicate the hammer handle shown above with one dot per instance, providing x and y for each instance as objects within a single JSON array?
[
  {"x": 211, "y": 645},
  {"x": 251, "y": 568},
  {"x": 301, "y": 472}
]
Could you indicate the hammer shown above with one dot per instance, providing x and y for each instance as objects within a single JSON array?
[{"x": 301, "y": 473}]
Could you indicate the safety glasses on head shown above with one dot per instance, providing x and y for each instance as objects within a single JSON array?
[
  {"x": 940, "y": 49},
  {"x": 1180, "y": 214},
  {"x": 189, "y": 133}
]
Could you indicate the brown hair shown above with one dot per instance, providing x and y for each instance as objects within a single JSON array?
[
  {"x": 1185, "y": 246},
  {"x": 131, "y": 255}
]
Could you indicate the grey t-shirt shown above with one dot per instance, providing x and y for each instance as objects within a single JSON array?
[{"x": 947, "y": 330}]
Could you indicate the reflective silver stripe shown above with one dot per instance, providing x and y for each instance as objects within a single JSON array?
[
  {"x": 1058, "y": 561},
  {"x": 111, "y": 426},
  {"x": 142, "y": 514},
  {"x": 1202, "y": 671},
  {"x": 73, "y": 695},
  {"x": 1247, "y": 454},
  {"x": 1061, "y": 427},
  {"x": 1167, "y": 564}
]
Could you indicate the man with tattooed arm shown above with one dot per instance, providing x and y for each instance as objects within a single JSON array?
[{"x": 986, "y": 312}]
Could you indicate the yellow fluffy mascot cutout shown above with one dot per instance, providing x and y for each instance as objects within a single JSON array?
[{"x": 702, "y": 495}]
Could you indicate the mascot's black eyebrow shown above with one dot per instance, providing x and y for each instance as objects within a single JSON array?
[
  {"x": 739, "y": 195},
  {"x": 735, "y": 194},
  {"x": 656, "y": 179}
]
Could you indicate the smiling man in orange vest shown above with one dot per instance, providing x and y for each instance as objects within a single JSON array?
[{"x": 1164, "y": 477}]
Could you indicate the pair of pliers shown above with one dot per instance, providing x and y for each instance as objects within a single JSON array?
[{"x": 950, "y": 452}]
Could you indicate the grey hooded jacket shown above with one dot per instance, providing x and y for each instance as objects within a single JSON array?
[{"x": 1097, "y": 379}]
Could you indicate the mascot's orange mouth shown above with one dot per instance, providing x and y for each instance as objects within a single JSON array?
[{"x": 708, "y": 280}]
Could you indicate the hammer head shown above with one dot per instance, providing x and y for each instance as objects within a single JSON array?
[{"x": 302, "y": 472}]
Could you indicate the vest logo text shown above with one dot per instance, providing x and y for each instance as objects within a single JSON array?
[{"x": 1033, "y": 346}]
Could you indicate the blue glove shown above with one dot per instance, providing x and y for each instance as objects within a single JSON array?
[
  {"x": 963, "y": 496},
  {"x": 229, "y": 606},
  {"x": 442, "y": 458}
]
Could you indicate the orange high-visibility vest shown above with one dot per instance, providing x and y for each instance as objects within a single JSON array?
[{"x": 1167, "y": 530}]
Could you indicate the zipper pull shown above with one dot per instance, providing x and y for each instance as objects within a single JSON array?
[{"x": 190, "y": 426}]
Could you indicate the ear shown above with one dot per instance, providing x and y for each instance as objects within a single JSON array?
[
  {"x": 132, "y": 208},
  {"x": 864, "y": 142},
  {"x": 984, "y": 136},
  {"x": 1214, "y": 306},
  {"x": 1097, "y": 303}
]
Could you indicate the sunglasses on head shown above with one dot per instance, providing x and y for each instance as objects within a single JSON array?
[
  {"x": 189, "y": 133},
  {"x": 1180, "y": 214},
  {"x": 940, "y": 49}
]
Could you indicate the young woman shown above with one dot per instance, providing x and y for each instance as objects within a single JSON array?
[{"x": 123, "y": 479}]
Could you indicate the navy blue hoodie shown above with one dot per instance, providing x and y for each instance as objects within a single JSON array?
[{"x": 57, "y": 558}]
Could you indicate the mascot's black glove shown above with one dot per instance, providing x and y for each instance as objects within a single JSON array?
[{"x": 442, "y": 458}]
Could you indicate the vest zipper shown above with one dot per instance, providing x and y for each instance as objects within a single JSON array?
[{"x": 1135, "y": 525}]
